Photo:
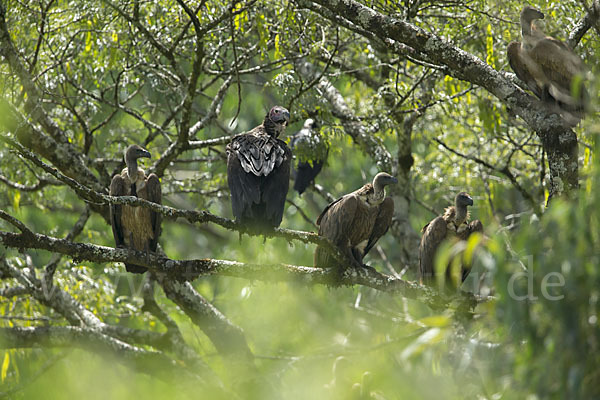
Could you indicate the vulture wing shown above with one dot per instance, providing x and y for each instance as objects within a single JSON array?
[
  {"x": 258, "y": 155},
  {"x": 382, "y": 223},
  {"x": 475, "y": 226},
  {"x": 561, "y": 66},
  {"x": 275, "y": 187},
  {"x": 472, "y": 227},
  {"x": 519, "y": 65},
  {"x": 155, "y": 196},
  {"x": 335, "y": 223},
  {"x": 305, "y": 174},
  {"x": 307, "y": 143},
  {"x": 117, "y": 188},
  {"x": 336, "y": 220},
  {"x": 433, "y": 234},
  {"x": 244, "y": 188}
]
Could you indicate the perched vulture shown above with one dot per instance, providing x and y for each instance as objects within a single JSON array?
[
  {"x": 258, "y": 172},
  {"x": 309, "y": 143},
  {"x": 356, "y": 221},
  {"x": 135, "y": 227},
  {"x": 549, "y": 68},
  {"x": 453, "y": 224}
]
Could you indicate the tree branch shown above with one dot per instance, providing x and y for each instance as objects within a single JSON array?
[
  {"x": 150, "y": 362},
  {"x": 187, "y": 270},
  {"x": 559, "y": 140},
  {"x": 366, "y": 141}
]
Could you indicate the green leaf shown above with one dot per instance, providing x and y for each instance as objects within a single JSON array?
[
  {"x": 5, "y": 365},
  {"x": 16, "y": 201},
  {"x": 435, "y": 321}
]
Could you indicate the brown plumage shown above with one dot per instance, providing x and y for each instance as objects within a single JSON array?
[
  {"x": 549, "y": 68},
  {"x": 258, "y": 172},
  {"x": 454, "y": 223},
  {"x": 356, "y": 221},
  {"x": 135, "y": 227}
]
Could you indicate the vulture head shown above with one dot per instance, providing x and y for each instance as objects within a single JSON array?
[
  {"x": 310, "y": 124},
  {"x": 383, "y": 179},
  {"x": 528, "y": 15},
  {"x": 276, "y": 120},
  {"x": 463, "y": 199},
  {"x": 380, "y": 181},
  {"x": 132, "y": 153}
]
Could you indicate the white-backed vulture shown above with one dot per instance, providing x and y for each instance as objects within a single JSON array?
[
  {"x": 454, "y": 223},
  {"x": 314, "y": 150},
  {"x": 356, "y": 221},
  {"x": 549, "y": 68},
  {"x": 258, "y": 172},
  {"x": 135, "y": 227}
]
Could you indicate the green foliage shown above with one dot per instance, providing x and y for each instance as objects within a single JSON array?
[{"x": 107, "y": 85}]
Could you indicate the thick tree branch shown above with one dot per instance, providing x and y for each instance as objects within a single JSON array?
[
  {"x": 150, "y": 362},
  {"x": 187, "y": 270},
  {"x": 78, "y": 315},
  {"x": 589, "y": 20},
  {"x": 559, "y": 141}
]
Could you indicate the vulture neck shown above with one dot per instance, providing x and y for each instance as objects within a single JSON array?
[
  {"x": 461, "y": 215},
  {"x": 526, "y": 27},
  {"x": 531, "y": 35},
  {"x": 378, "y": 193},
  {"x": 271, "y": 127},
  {"x": 132, "y": 169}
]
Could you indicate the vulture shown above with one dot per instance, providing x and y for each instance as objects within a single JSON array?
[
  {"x": 454, "y": 223},
  {"x": 136, "y": 228},
  {"x": 258, "y": 172},
  {"x": 356, "y": 221},
  {"x": 308, "y": 142},
  {"x": 549, "y": 68}
]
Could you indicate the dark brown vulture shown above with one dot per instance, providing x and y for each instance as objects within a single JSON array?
[
  {"x": 453, "y": 224},
  {"x": 135, "y": 227},
  {"x": 313, "y": 154},
  {"x": 258, "y": 172},
  {"x": 356, "y": 221},
  {"x": 549, "y": 68}
]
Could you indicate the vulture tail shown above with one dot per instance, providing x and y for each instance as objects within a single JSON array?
[{"x": 135, "y": 269}]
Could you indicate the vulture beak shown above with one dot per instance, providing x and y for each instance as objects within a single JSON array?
[
  {"x": 144, "y": 153},
  {"x": 393, "y": 180},
  {"x": 470, "y": 199}
]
